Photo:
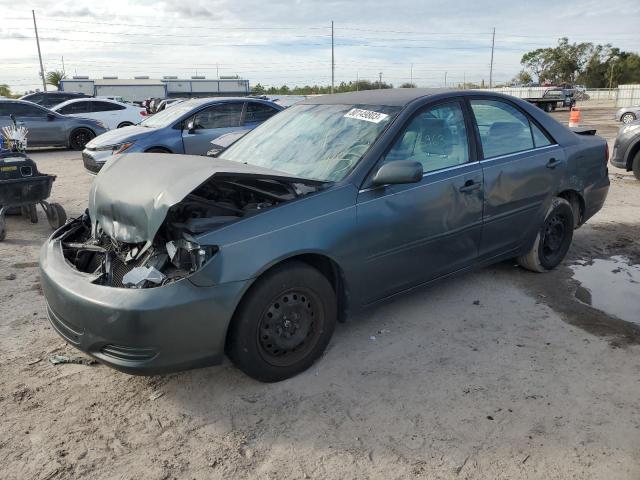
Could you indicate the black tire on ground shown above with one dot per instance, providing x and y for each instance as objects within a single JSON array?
[
  {"x": 553, "y": 239},
  {"x": 553, "y": 107},
  {"x": 3, "y": 229},
  {"x": 79, "y": 138},
  {"x": 635, "y": 166},
  {"x": 628, "y": 117},
  {"x": 56, "y": 215},
  {"x": 547, "y": 107},
  {"x": 157, "y": 150},
  {"x": 125, "y": 124},
  {"x": 283, "y": 324}
]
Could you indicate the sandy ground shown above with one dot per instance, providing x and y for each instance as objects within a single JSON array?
[{"x": 496, "y": 374}]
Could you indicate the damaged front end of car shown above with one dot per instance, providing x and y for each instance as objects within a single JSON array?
[{"x": 145, "y": 234}]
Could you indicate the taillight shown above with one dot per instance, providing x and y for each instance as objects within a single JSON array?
[{"x": 143, "y": 113}]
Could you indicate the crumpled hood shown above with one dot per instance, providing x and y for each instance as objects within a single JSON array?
[
  {"x": 119, "y": 135},
  {"x": 130, "y": 197}
]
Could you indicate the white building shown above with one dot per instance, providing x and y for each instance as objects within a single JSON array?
[{"x": 140, "y": 88}]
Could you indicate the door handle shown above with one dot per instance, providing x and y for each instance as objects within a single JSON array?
[
  {"x": 553, "y": 163},
  {"x": 470, "y": 186}
]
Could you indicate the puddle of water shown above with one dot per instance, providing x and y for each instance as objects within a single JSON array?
[{"x": 611, "y": 285}]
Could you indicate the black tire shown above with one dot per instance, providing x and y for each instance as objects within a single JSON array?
[
  {"x": 157, "y": 150},
  {"x": 635, "y": 166},
  {"x": 79, "y": 138},
  {"x": 56, "y": 215},
  {"x": 283, "y": 324},
  {"x": 3, "y": 229},
  {"x": 628, "y": 117},
  {"x": 553, "y": 239},
  {"x": 125, "y": 124},
  {"x": 547, "y": 107}
]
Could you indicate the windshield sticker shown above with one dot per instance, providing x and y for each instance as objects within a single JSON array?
[{"x": 366, "y": 115}]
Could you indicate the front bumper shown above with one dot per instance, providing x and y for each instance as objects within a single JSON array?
[
  {"x": 94, "y": 160},
  {"x": 617, "y": 157},
  {"x": 138, "y": 331}
]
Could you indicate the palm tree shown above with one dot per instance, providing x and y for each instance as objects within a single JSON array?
[
  {"x": 53, "y": 78},
  {"x": 5, "y": 91}
]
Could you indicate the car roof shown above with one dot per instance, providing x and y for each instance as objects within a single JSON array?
[
  {"x": 196, "y": 102},
  {"x": 393, "y": 97},
  {"x": 88, "y": 99}
]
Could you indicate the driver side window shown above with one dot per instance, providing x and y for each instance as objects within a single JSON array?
[{"x": 436, "y": 137}]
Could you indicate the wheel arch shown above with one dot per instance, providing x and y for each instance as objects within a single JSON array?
[
  {"x": 632, "y": 151},
  {"x": 158, "y": 147},
  {"x": 578, "y": 205}
]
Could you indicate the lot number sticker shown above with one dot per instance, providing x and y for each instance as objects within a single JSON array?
[{"x": 366, "y": 115}]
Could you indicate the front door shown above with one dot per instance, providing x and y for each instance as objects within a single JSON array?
[
  {"x": 413, "y": 233},
  {"x": 42, "y": 129},
  {"x": 522, "y": 167},
  {"x": 209, "y": 124}
]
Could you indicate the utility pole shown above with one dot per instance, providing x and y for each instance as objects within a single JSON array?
[
  {"x": 611, "y": 76},
  {"x": 217, "y": 72},
  {"x": 357, "y": 80},
  {"x": 411, "y": 81},
  {"x": 63, "y": 70},
  {"x": 35, "y": 27},
  {"x": 493, "y": 44},
  {"x": 464, "y": 80},
  {"x": 380, "y": 81},
  {"x": 445, "y": 79},
  {"x": 333, "y": 62}
]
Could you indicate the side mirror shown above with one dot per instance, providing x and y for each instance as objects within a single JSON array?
[
  {"x": 51, "y": 116},
  {"x": 397, "y": 172},
  {"x": 191, "y": 126}
]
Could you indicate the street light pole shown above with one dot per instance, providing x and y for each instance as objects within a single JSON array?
[
  {"x": 493, "y": 44},
  {"x": 35, "y": 27}
]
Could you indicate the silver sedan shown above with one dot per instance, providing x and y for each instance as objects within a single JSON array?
[{"x": 628, "y": 114}]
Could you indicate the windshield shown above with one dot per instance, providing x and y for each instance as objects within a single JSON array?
[
  {"x": 167, "y": 117},
  {"x": 319, "y": 142}
]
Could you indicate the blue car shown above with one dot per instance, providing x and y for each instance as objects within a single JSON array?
[{"x": 187, "y": 127}]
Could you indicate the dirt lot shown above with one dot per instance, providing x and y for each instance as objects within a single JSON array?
[{"x": 497, "y": 374}]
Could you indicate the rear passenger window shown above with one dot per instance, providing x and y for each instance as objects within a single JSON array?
[
  {"x": 258, "y": 112},
  {"x": 503, "y": 128},
  {"x": 436, "y": 137},
  {"x": 539, "y": 138},
  {"x": 105, "y": 106}
]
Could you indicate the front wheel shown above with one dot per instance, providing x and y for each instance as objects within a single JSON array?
[
  {"x": 553, "y": 239},
  {"x": 79, "y": 138},
  {"x": 628, "y": 117},
  {"x": 125, "y": 124},
  {"x": 283, "y": 324},
  {"x": 635, "y": 166}
]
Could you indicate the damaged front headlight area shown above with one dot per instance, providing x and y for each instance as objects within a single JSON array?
[{"x": 121, "y": 265}]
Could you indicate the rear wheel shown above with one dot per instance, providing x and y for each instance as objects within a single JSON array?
[
  {"x": 157, "y": 150},
  {"x": 547, "y": 107},
  {"x": 628, "y": 117},
  {"x": 283, "y": 324},
  {"x": 125, "y": 124},
  {"x": 79, "y": 138},
  {"x": 553, "y": 239}
]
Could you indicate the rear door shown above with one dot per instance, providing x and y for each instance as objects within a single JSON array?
[
  {"x": 107, "y": 112},
  {"x": 413, "y": 233},
  {"x": 522, "y": 166},
  {"x": 209, "y": 123}
]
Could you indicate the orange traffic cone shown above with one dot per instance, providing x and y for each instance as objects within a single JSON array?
[{"x": 574, "y": 117}]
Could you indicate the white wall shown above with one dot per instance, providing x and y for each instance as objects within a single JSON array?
[
  {"x": 628, "y": 95},
  {"x": 131, "y": 93}
]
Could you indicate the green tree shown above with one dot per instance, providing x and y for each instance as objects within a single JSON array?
[
  {"x": 54, "y": 78},
  {"x": 5, "y": 91},
  {"x": 408, "y": 85},
  {"x": 258, "y": 89},
  {"x": 522, "y": 78}
]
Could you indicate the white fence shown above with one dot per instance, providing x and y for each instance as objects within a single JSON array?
[
  {"x": 628, "y": 95},
  {"x": 602, "y": 93}
]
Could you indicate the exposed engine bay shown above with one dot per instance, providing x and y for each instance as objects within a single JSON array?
[{"x": 175, "y": 251}]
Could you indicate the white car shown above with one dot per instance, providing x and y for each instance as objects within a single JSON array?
[{"x": 113, "y": 114}]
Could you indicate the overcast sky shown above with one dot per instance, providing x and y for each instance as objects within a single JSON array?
[{"x": 288, "y": 41}]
